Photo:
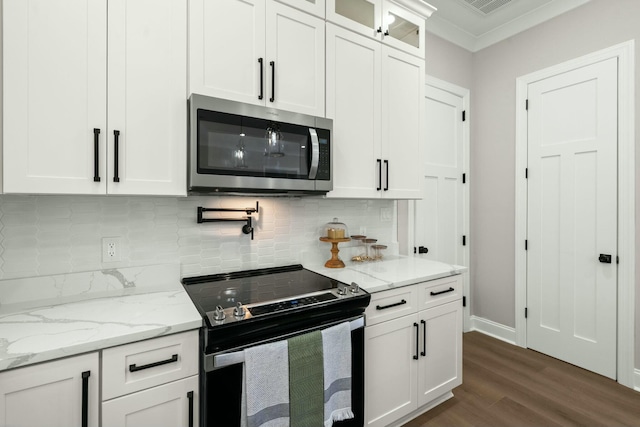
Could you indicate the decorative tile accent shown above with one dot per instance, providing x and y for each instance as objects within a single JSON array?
[{"x": 46, "y": 235}]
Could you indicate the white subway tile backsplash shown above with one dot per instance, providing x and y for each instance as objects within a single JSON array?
[{"x": 45, "y": 235}]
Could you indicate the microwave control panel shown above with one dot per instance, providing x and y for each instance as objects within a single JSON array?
[{"x": 324, "y": 161}]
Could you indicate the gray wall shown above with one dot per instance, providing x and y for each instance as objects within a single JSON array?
[{"x": 594, "y": 26}]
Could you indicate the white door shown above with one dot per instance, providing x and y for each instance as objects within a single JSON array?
[
  {"x": 295, "y": 60},
  {"x": 402, "y": 123},
  {"x": 54, "y": 84},
  {"x": 353, "y": 102},
  {"x": 51, "y": 393},
  {"x": 147, "y": 97},
  {"x": 226, "y": 42},
  {"x": 572, "y": 216},
  {"x": 439, "y": 219},
  {"x": 167, "y": 405}
]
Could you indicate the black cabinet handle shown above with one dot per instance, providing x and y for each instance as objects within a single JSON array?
[
  {"x": 386, "y": 33},
  {"x": 379, "y": 175},
  {"x": 382, "y": 307},
  {"x": 190, "y": 397},
  {"x": 134, "y": 368},
  {"x": 116, "y": 144},
  {"x": 386, "y": 184},
  {"x": 379, "y": 30},
  {"x": 273, "y": 81},
  {"x": 260, "y": 61},
  {"x": 424, "y": 338},
  {"x": 415, "y": 325},
  {"x": 96, "y": 155},
  {"x": 442, "y": 292},
  {"x": 85, "y": 398}
]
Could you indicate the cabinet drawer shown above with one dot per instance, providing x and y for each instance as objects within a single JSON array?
[
  {"x": 140, "y": 365},
  {"x": 440, "y": 291},
  {"x": 392, "y": 304}
]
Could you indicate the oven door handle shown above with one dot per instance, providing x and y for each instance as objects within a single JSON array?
[
  {"x": 315, "y": 153},
  {"x": 220, "y": 360}
]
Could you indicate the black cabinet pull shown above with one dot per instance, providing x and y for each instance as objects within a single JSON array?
[
  {"x": 96, "y": 155},
  {"x": 134, "y": 368},
  {"x": 386, "y": 184},
  {"x": 190, "y": 397},
  {"x": 386, "y": 33},
  {"x": 260, "y": 61},
  {"x": 415, "y": 325},
  {"x": 85, "y": 398},
  {"x": 379, "y": 30},
  {"x": 273, "y": 81},
  {"x": 382, "y": 307},
  {"x": 116, "y": 144},
  {"x": 379, "y": 175},
  {"x": 442, "y": 292},
  {"x": 424, "y": 338}
]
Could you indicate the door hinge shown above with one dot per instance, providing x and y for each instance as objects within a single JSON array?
[
  {"x": 526, "y": 173},
  {"x": 415, "y": 250},
  {"x": 464, "y": 301},
  {"x": 525, "y": 312},
  {"x": 464, "y": 115},
  {"x": 464, "y": 178},
  {"x": 526, "y": 245},
  {"x": 464, "y": 240},
  {"x": 617, "y": 259},
  {"x": 526, "y": 105}
]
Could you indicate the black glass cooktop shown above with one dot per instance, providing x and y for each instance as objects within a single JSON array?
[{"x": 256, "y": 286}]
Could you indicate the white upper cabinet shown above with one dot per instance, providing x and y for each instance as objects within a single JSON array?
[
  {"x": 403, "y": 121},
  {"x": 147, "y": 97},
  {"x": 259, "y": 52},
  {"x": 375, "y": 96},
  {"x": 54, "y": 83},
  {"x": 314, "y": 7},
  {"x": 56, "y": 137},
  {"x": 398, "y": 23}
]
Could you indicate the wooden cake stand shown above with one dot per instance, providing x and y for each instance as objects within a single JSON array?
[{"x": 334, "y": 262}]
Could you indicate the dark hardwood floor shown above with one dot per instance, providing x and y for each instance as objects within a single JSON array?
[{"x": 505, "y": 385}]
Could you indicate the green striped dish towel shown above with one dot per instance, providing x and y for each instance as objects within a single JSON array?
[{"x": 306, "y": 380}]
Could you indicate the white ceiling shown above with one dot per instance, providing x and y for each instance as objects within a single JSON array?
[{"x": 476, "y": 24}]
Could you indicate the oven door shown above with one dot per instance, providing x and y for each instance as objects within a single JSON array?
[{"x": 222, "y": 386}]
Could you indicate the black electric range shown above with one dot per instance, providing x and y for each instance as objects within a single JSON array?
[{"x": 243, "y": 307}]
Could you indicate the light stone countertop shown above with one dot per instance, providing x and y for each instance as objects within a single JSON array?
[
  {"x": 45, "y": 318},
  {"x": 388, "y": 273}
]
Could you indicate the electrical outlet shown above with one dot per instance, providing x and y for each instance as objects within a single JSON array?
[
  {"x": 385, "y": 215},
  {"x": 110, "y": 249}
]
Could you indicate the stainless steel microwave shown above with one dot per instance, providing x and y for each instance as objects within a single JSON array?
[{"x": 243, "y": 148}]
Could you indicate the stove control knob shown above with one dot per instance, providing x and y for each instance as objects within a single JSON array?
[
  {"x": 355, "y": 288},
  {"x": 342, "y": 290},
  {"x": 239, "y": 310},
  {"x": 219, "y": 314}
]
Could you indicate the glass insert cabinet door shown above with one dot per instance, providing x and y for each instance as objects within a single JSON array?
[
  {"x": 229, "y": 144},
  {"x": 382, "y": 20}
]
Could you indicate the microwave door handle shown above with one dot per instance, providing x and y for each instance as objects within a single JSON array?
[{"x": 315, "y": 154}]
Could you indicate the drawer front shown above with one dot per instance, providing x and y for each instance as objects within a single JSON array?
[
  {"x": 140, "y": 365},
  {"x": 439, "y": 291},
  {"x": 392, "y": 304}
]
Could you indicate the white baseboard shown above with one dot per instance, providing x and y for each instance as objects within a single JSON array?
[
  {"x": 498, "y": 331},
  {"x": 636, "y": 379}
]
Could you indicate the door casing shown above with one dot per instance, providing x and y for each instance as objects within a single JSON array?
[{"x": 624, "y": 52}]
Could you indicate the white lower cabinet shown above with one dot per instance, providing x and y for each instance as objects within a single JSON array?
[
  {"x": 412, "y": 360},
  {"x": 152, "y": 383},
  {"x": 60, "y": 393},
  {"x": 168, "y": 405}
]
